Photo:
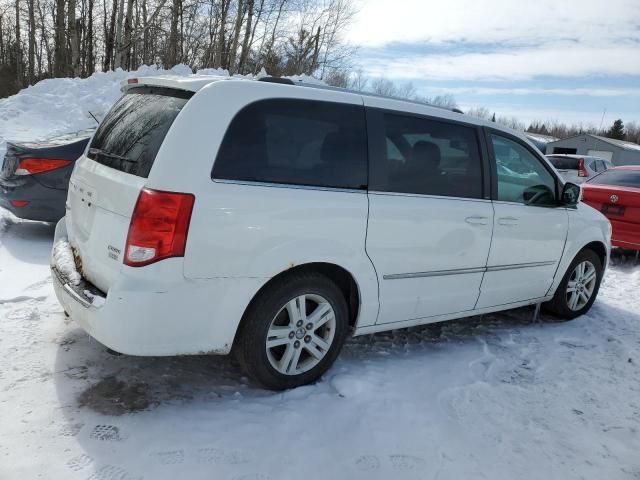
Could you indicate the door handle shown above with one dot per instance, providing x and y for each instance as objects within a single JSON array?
[
  {"x": 477, "y": 220},
  {"x": 508, "y": 221}
]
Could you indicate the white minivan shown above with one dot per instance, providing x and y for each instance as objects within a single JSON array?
[{"x": 273, "y": 219}]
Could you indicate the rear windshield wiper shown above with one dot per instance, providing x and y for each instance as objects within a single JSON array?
[{"x": 97, "y": 151}]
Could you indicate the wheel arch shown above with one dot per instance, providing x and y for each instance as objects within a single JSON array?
[
  {"x": 599, "y": 249},
  {"x": 343, "y": 278}
]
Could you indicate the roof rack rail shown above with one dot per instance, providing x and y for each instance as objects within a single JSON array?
[
  {"x": 288, "y": 81},
  {"x": 285, "y": 81}
]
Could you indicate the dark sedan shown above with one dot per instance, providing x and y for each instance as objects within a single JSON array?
[{"x": 35, "y": 175}]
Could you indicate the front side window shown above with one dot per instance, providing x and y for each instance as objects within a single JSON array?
[
  {"x": 429, "y": 157},
  {"x": 292, "y": 141},
  {"x": 522, "y": 178}
]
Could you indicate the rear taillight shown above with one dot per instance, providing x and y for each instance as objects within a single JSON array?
[
  {"x": 159, "y": 227},
  {"x": 31, "y": 166},
  {"x": 582, "y": 172},
  {"x": 19, "y": 203}
]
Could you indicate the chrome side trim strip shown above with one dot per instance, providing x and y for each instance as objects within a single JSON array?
[
  {"x": 435, "y": 273},
  {"x": 295, "y": 186},
  {"x": 463, "y": 271},
  {"x": 498, "y": 268}
]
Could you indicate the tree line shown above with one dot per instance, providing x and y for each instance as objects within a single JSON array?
[
  {"x": 75, "y": 38},
  {"x": 618, "y": 130},
  {"x": 554, "y": 128}
]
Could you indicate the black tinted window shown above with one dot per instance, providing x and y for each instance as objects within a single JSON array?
[
  {"x": 429, "y": 157},
  {"x": 300, "y": 142},
  {"x": 565, "y": 163},
  {"x": 621, "y": 178},
  {"x": 130, "y": 136}
]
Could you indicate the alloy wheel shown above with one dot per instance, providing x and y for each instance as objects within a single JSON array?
[
  {"x": 301, "y": 334},
  {"x": 581, "y": 285}
]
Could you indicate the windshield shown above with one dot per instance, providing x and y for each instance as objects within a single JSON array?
[
  {"x": 620, "y": 178},
  {"x": 130, "y": 136}
]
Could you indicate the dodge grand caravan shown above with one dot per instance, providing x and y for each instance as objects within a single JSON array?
[{"x": 271, "y": 220}]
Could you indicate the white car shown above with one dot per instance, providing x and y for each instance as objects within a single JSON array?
[
  {"x": 273, "y": 219},
  {"x": 578, "y": 168}
]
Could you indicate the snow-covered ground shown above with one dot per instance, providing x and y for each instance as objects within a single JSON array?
[{"x": 497, "y": 397}]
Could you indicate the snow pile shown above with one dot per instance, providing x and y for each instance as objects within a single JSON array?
[
  {"x": 64, "y": 105},
  {"x": 62, "y": 259}
]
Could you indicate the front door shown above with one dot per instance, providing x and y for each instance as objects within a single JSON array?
[
  {"x": 429, "y": 226},
  {"x": 529, "y": 231}
]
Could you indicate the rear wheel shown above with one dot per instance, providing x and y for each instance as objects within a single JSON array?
[
  {"x": 293, "y": 331},
  {"x": 579, "y": 287}
]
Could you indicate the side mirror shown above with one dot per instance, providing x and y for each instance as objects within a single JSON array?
[{"x": 571, "y": 194}]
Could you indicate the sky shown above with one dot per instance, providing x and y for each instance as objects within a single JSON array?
[{"x": 564, "y": 60}]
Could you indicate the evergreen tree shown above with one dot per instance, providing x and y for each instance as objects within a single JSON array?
[
  {"x": 617, "y": 130},
  {"x": 493, "y": 119}
]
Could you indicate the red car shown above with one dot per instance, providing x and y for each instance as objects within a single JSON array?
[{"x": 616, "y": 193}]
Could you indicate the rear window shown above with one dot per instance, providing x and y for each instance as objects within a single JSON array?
[
  {"x": 563, "y": 163},
  {"x": 130, "y": 136},
  {"x": 620, "y": 178},
  {"x": 302, "y": 142}
]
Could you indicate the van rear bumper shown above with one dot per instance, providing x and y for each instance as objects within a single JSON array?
[{"x": 146, "y": 315}]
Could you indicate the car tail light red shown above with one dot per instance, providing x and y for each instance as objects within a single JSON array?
[
  {"x": 31, "y": 166},
  {"x": 159, "y": 227},
  {"x": 582, "y": 172},
  {"x": 19, "y": 203}
]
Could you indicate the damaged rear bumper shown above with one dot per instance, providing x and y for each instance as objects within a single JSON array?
[{"x": 156, "y": 311}]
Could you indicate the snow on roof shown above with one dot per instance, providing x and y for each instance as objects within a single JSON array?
[
  {"x": 618, "y": 143},
  {"x": 541, "y": 138}
]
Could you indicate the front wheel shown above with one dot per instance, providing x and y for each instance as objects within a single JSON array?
[
  {"x": 293, "y": 331},
  {"x": 579, "y": 287}
]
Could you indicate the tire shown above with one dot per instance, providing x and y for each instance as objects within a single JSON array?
[
  {"x": 298, "y": 353},
  {"x": 562, "y": 304}
]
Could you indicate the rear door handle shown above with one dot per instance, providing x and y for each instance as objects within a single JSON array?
[
  {"x": 477, "y": 220},
  {"x": 508, "y": 221}
]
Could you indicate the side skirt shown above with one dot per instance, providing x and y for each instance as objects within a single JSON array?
[{"x": 450, "y": 316}]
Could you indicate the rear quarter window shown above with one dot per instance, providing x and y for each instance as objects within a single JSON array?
[
  {"x": 129, "y": 137},
  {"x": 300, "y": 142}
]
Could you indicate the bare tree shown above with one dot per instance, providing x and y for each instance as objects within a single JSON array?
[
  {"x": 285, "y": 37},
  {"x": 74, "y": 39},
  {"x": 32, "y": 42},
  {"x": 247, "y": 37},
  {"x": 18, "y": 79},
  {"x": 124, "y": 48},
  {"x": 110, "y": 35}
]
